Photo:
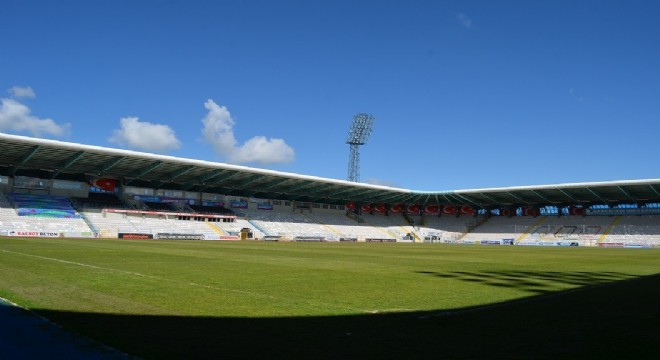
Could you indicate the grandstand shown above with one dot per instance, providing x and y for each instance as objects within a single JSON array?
[
  {"x": 40, "y": 215},
  {"x": 56, "y": 189}
]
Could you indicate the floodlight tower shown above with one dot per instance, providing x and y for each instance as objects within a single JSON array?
[{"x": 358, "y": 135}]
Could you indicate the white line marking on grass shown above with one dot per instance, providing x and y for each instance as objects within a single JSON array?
[
  {"x": 76, "y": 263},
  {"x": 158, "y": 278},
  {"x": 10, "y": 302},
  {"x": 389, "y": 311}
]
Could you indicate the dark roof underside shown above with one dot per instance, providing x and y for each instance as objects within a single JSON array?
[{"x": 47, "y": 159}]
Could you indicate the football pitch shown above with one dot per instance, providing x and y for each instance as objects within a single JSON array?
[{"x": 203, "y": 299}]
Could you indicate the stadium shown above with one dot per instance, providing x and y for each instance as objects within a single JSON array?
[
  {"x": 109, "y": 193},
  {"x": 160, "y": 257}
]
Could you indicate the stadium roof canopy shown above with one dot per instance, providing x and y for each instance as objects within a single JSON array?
[{"x": 50, "y": 159}]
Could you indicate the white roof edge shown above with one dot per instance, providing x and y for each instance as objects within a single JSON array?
[
  {"x": 225, "y": 166},
  {"x": 563, "y": 186},
  {"x": 187, "y": 161},
  {"x": 544, "y": 187}
]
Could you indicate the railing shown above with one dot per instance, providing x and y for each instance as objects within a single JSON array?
[
  {"x": 354, "y": 216},
  {"x": 88, "y": 222}
]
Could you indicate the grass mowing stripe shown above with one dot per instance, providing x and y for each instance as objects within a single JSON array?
[
  {"x": 178, "y": 305},
  {"x": 210, "y": 287},
  {"x": 299, "y": 279}
]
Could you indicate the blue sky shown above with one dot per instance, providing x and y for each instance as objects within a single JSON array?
[{"x": 466, "y": 94}]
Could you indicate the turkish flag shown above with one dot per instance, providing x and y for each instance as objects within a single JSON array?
[{"x": 105, "y": 184}]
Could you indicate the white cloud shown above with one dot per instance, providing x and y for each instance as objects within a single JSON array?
[
  {"x": 15, "y": 116},
  {"x": 465, "y": 21},
  {"x": 22, "y": 92},
  {"x": 144, "y": 135},
  {"x": 260, "y": 149},
  {"x": 218, "y": 130}
]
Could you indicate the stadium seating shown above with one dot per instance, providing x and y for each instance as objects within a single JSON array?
[
  {"x": 500, "y": 227},
  {"x": 348, "y": 228},
  {"x": 54, "y": 215},
  {"x": 42, "y": 205},
  {"x": 235, "y": 227},
  {"x": 99, "y": 201},
  {"x": 569, "y": 230},
  {"x": 220, "y": 210},
  {"x": 111, "y": 224},
  {"x": 47, "y": 219},
  {"x": 327, "y": 225},
  {"x": 158, "y": 206},
  {"x": 634, "y": 230},
  {"x": 285, "y": 224}
]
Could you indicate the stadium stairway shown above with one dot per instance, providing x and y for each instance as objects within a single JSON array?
[
  {"x": 216, "y": 229},
  {"x": 88, "y": 222},
  {"x": 471, "y": 228},
  {"x": 259, "y": 228},
  {"x": 4, "y": 203},
  {"x": 411, "y": 231},
  {"x": 355, "y": 217},
  {"x": 324, "y": 225},
  {"x": 387, "y": 232},
  {"x": 530, "y": 229},
  {"x": 609, "y": 228},
  {"x": 383, "y": 230},
  {"x": 409, "y": 221}
]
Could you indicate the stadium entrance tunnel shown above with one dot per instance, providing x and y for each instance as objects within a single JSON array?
[{"x": 615, "y": 320}]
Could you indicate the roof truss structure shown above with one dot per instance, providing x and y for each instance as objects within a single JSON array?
[{"x": 49, "y": 159}]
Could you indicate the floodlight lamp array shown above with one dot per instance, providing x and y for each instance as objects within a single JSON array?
[{"x": 360, "y": 129}]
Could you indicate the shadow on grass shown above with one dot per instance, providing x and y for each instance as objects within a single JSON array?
[
  {"x": 618, "y": 320},
  {"x": 536, "y": 282}
]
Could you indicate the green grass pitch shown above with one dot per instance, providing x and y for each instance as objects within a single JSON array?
[{"x": 196, "y": 299}]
